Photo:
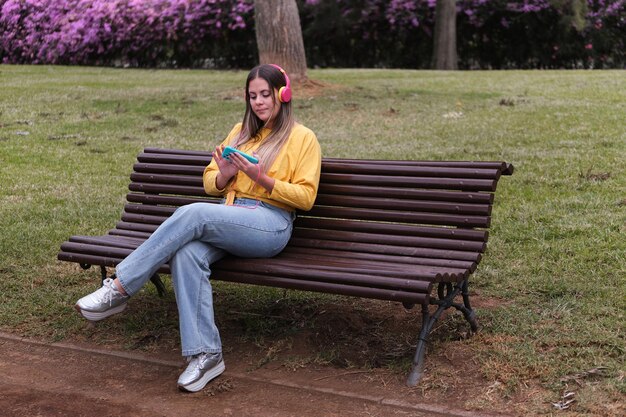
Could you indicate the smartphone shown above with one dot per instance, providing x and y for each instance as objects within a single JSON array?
[{"x": 228, "y": 150}]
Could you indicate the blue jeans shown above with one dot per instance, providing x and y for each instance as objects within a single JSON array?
[{"x": 192, "y": 239}]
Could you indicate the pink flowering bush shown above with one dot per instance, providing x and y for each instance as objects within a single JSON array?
[
  {"x": 133, "y": 32},
  {"x": 338, "y": 33}
]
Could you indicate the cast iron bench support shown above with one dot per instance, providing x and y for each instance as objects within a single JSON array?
[{"x": 446, "y": 294}]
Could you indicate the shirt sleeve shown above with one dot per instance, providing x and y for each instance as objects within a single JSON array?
[
  {"x": 301, "y": 190},
  {"x": 211, "y": 171}
]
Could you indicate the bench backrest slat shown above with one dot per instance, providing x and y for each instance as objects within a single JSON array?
[
  {"x": 387, "y": 239},
  {"x": 402, "y": 204},
  {"x": 392, "y": 228},
  {"x": 502, "y": 167},
  {"x": 411, "y": 182},
  {"x": 166, "y": 200},
  {"x": 166, "y": 189},
  {"x": 169, "y": 169},
  {"x": 407, "y": 193},
  {"x": 401, "y": 216},
  {"x": 397, "y": 170}
]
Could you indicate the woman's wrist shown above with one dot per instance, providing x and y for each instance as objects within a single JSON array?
[
  {"x": 266, "y": 182},
  {"x": 221, "y": 181}
]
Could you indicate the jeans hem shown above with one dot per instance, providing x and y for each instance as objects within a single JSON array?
[
  {"x": 121, "y": 281},
  {"x": 198, "y": 351}
]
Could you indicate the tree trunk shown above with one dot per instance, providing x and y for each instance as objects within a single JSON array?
[
  {"x": 444, "y": 49},
  {"x": 279, "y": 36}
]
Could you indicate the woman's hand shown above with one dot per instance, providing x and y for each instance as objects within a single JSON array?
[
  {"x": 242, "y": 164},
  {"x": 227, "y": 169}
]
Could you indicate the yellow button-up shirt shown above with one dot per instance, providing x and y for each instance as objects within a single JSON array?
[{"x": 296, "y": 171}]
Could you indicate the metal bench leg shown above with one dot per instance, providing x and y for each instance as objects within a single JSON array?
[
  {"x": 158, "y": 283},
  {"x": 467, "y": 311},
  {"x": 418, "y": 360},
  {"x": 447, "y": 293},
  {"x": 103, "y": 273}
]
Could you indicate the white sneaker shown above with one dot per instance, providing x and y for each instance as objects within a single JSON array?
[
  {"x": 201, "y": 369},
  {"x": 103, "y": 302}
]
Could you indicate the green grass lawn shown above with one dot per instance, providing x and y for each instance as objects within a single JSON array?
[{"x": 557, "y": 252}]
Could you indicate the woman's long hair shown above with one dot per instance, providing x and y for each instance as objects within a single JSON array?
[{"x": 282, "y": 123}]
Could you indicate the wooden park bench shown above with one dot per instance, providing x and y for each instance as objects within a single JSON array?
[{"x": 405, "y": 231}]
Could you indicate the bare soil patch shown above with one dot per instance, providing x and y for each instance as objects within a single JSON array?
[{"x": 296, "y": 365}]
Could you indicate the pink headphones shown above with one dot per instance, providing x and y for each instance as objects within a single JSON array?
[{"x": 284, "y": 94}]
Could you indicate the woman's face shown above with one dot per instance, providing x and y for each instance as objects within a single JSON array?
[{"x": 262, "y": 100}]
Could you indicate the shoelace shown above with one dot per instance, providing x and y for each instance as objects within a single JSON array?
[
  {"x": 107, "y": 297},
  {"x": 197, "y": 358}
]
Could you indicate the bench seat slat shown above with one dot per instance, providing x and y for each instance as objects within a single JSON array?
[
  {"x": 129, "y": 233},
  {"x": 143, "y": 218},
  {"x": 97, "y": 249},
  {"x": 326, "y": 287},
  {"x": 137, "y": 227},
  {"x": 368, "y": 266},
  {"x": 385, "y": 249},
  {"x": 340, "y": 275},
  {"x": 383, "y": 257},
  {"x": 163, "y": 211},
  {"x": 376, "y": 272},
  {"x": 106, "y": 240}
]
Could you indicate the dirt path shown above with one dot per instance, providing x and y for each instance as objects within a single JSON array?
[{"x": 40, "y": 379}]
